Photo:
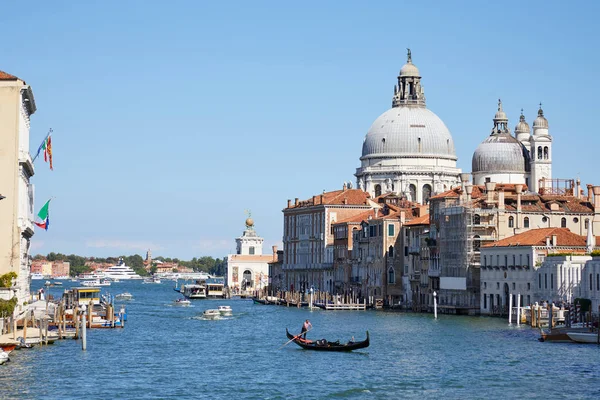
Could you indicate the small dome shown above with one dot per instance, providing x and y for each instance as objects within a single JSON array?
[
  {"x": 522, "y": 126},
  {"x": 409, "y": 69},
  {"x": 500, "y": 153},
  {"x": 540, "y": 121},
  {"x": 500, "y": 114}
]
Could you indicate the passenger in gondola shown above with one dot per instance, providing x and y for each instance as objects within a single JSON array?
[{"x": 305, "y": 327}]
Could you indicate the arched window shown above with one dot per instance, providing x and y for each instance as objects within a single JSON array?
[
  {"x": 391, "y": 275},
  {"x": 476, "y": 219},
  {"x": 546, "y": 154},
  {"x": 539, "y": 151},
  {"x": 413, "y": 192},
  {"x": 476, "y": 242},
  {"x": 526, "y": 222},
  {"x": 511, "y": 222},
  {"x": 391, "y": 251},
  {"x": 377, "y": 190},
  {"x": 426, "y": 193},
  {"x": 563, "y": 222}
]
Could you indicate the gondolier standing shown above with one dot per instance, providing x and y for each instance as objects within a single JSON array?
[{"x": 305, "y": 327}]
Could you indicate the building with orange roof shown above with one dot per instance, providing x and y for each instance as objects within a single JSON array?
[
  {"x": 308, "y": 237},
  {"x": 545, "y": 264},
  {"x": 248, "y": 269},
  {"x": 468, "y": 217},
  {"x": 17, "y": 105}
]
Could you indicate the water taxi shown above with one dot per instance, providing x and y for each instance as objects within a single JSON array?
[
  {"x": 182, "y": 302},
  {"x": 211, "y": 314},
  {"x": 124, "y": 296},
  {"x": 225, "y": 311},
  {"x": 194, "y": 291}
]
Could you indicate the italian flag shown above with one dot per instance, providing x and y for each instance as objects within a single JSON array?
[{"x": 44, "y": 216}]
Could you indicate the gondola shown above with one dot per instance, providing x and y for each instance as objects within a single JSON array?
[{"x": 324, "y": 345}]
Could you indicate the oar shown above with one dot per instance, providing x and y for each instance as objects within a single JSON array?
[{"x": 295, "y": 337}]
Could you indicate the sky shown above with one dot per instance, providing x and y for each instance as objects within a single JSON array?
[{"x": 170, "y": 119}]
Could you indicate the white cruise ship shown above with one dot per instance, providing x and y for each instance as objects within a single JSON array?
[{"x": 120, "y": 272}]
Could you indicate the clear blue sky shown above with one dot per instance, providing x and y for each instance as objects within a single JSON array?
[{"x": 172, "y": 118}]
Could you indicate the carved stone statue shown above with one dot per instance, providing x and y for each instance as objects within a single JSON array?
[
  {"x": 388, "y": 185},
  {"x": 361, "y": 184}
]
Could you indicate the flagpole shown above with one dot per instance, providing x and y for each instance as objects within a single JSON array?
[{"x": 40, "y": 148}]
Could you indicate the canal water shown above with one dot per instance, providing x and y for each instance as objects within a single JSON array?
[{"x": 170, "y": 352}]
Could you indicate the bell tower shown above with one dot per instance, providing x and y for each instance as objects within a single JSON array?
[{"x": 541, "y": 152}]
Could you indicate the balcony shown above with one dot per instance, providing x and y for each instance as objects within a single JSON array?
[
  {"x": 26, "y": 161},
  {"x": 26, "y": 226}
]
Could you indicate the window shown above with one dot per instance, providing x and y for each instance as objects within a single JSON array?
[
  {"x": 597, "y": 281},
  {"x": 485, "y": 285},
  {"x": 251, "y": 250},
  {"x": 528, "y": 261},
  {"x": 546, "y": 153},
  {"x": 413, "y": 192},
  {"x": 587, "y": 223},
  {"x": 528, "y": 287},
  {"x": 545, "y": 281},
  {"x": 485, "y": 261},
  {"x": 544, "y": 219},
  {"x": 551, "y": 281},
  {"x": 526, "y": 222},
  {"x": 497, "y": 285},
  {"x": 539, "y": 152},
  {"x": 476, "y": 219},
  {"x": 514, "y": 286},
  {"x": 391, "y": 251},
  {"x": 591, "y": 282},
  {"x": 505, "y": 260},
  {"x": 476, "y": 243},
  {"x": 377, "y": 190},
  {"x": 511, "y": 222},
  {"x": 514, "y": 262},
  {"x": 563, "y": 222},
  {"x": 391, "y": 275},
  {"x": 491, "y": 300},
  {"x": 576, "y": 220},
  {"x": 539, "y": 281},
  {"x": 484, "y": 301},
  {"x": 391, "y": 230}
]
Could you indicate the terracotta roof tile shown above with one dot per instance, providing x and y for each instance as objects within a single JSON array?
[
  {"x": 7, "y": 77},
  {"x": 423, "y": 220},
  {"x": 337, "y": 197},
  {"x": 537, "y": 237}
]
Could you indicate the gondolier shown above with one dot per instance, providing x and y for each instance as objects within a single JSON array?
[{"x": 305, "y": 328}]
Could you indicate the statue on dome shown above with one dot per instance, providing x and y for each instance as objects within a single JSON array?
[
  {"x": 409, "y": 56},
  {"x": 361, "y": 184}
]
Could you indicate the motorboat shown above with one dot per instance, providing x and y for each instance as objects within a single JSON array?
[
  {"x": 211, "y": 314},
  {"x": 153, "y": 279},
  {"x": 182, "y": 302},
  {"x": 124, "y": 296},
  {"x": 121, "y": 271},
  {"x": 584, "y": 337},
  {"x": 96, "y": 282},
  {"x": 3, "y": 357},
  {"x": 225, "y": 310}
]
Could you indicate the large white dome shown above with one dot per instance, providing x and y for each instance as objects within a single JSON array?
[{"x": 408, "y": 132}]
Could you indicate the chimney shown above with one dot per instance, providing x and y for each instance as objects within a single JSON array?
[
  {"x": 296, "y": 202},
  {"x": 289, "y": 203},
  {"x": 501, "y": 200},
  {"x": 547, "y": 241},
  {"x": 344, "y": 187},
  {"x": 464, "y": 178},
  {"x": 589, "y": 188},
  {"x": 314, "y": 200},
  {"x": 274, "y": 253},
  {"x": 345, "y": 201},
  {"x": 596, "y": 190},
  {"x": 321, "y": 202},
  {"x": 578, "y": 188},
  {"x": 518, "y": 190},
  {"x": 376, "y": 212},
  {"x": 402, "y": 217},
  {"x": 489, "y": 189},
  {"x": 469, "y": 190}
]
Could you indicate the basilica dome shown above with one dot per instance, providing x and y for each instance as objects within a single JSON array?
[
  {"x": 408, "y": 132},
  {"x": 500, "y": 153}
]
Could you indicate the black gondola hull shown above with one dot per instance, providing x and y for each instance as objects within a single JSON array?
[{"x": 327, "y": 346}]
